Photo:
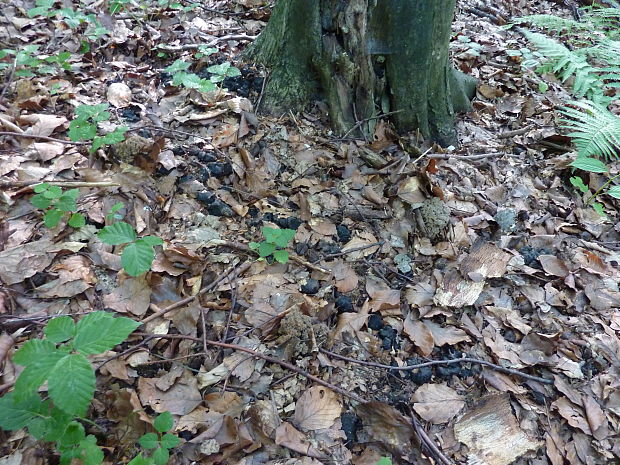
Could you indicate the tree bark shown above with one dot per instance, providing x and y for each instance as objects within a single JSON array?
[{"x": 363, "y": 58}]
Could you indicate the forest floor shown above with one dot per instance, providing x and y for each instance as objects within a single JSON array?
[{"x": 289, "y": 363}]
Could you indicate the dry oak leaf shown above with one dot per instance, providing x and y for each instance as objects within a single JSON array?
[
  {"x": 316, "y": 409},
  {"x": 455, "y": 291},
  {"x": 437, "y": 403},
  {"x": 443, "y": 335},
  {"x": 345, "y": 276},
  {"x": 24, "y": 261},
  {"x": 420, "y": 335},
  {"x": 485, "y": 261}
]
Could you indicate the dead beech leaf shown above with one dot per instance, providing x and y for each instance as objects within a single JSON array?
[
  {"x": 455, "y": 291},
  {"x": 180, "y": 399},
  {"x": 485, "y": 260},
  {"x": 346, "y": 278},
  {"x": 596, "y": 417},
  {"x": 288, "y": 436},
  {"x": 317, "y": 408},
  {"x": 381, "y": 296},
  {"x": 24, "y": 261},
  {"x": 491, "y": 432},
  {"x": 119, "y": 94},
  {"x": 437, "y": 403},
  {"x": 573, "y": 414},
  {"x": 420, "y": 335},
  {"x": 553, "y": 266},
  {"x": 443, "y": 335}
]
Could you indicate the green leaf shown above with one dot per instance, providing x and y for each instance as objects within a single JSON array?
[
  {"x": 53, "y": 427},
  {"x": 161, "y": 456},
  {"x": 598, "y": 208},
  {"x": 163, "y": 422},
  {"x": 254, "y": 245},
  {"x": 384, "y": 461},
  {"x": 117, "y": 233},
  {"x": 577, "y": 182},
  {"x": 589, "y": 164},
  {"x": 149, "y": 441},
  {"x": 60, "y": 329},
  {"x": 100, "y": 331},
  {"x": 114, "y": 137},
  {"x": 40, "y": 201},
  {"x": 41, "y": 187},
  {"x": 32, "y": 350},
  {"x": 137, "y": 258},
  {"x": 285, "y": 236},
  {"x": 67, "y": 202},
  {"x": 53, "y": 192},
  {"x": 151, "y": 240},
  {"x": 17, "y": 413},
  {"x": 281, "y": 256},
  {"x": 140, "y": 460},
  {"x": 91, "y": 454},
  {"x": 265, "y": 249},
  {"x": 71, "y": 384},
  {"x": 169, "y": 441},
  {"x": 80, "y": 129},
  {"x": 614, "y": 192},
  {"x": 74, "y": 434},
  {"x": 77, "y": 220},
  {"x": 52, "y": 217},
  {"x": 116, "y": 207},
  {"x": 178, "y": 65},
  {"x": 37, "y": 371}
]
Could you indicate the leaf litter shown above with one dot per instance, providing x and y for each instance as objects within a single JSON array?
[{"x": 510, "y": 273}]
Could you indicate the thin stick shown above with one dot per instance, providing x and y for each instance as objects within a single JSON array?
[
  {"x": 180, "y": 48},
  {"x": 237, "y": 270},
  {"x": 46, "y": 138},
  {"x": 268, "y": 358},
  {"x": 441, "y": 362},
  {"x": 60, "y": 183}
]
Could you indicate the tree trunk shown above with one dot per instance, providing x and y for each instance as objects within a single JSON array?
[{"x": 365, "y": 57}]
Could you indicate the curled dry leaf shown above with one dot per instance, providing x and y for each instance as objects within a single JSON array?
[
  {"x": 455, "y": 291},
  {"x": 317, "y": 408},
  {"x": 119, "y": 94}
]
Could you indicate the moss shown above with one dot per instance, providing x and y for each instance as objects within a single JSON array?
[{"x": 436, "y": 216}]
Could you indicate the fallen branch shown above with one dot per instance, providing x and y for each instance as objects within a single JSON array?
[
  {"x": 441, "y": 362},
  {"x": 181, "y": 48},
  {"x": 61, "y": 183}
]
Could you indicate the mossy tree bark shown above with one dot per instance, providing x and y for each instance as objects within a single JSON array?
[{"x": 364, "y": 57}]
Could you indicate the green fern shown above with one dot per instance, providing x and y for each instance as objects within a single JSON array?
[{"x": 594, "y": 129}]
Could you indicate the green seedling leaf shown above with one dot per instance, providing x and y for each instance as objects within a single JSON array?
[
  {"x": 67, "y": 201},
  {"x": 169, "y": 441},
  {"x": 100, "y": 331},
  {"x": 31, "y": 350},
  {"x": 17, "y": 413},
  {"x": 71, "y": 384},
  {"x": 164, "y": 422},
  {"x": 60, "y": 329},
  {"x": 281, "y": 256},
  {"x": 178, "y": 65},
  {"x": 254, "y": 245},
  {"x": 614, "y": 192},
  {"x": 74, "y": 434},
  {"x": 114, "y": 137},
  {"x": 77, "y": 220},
  {"x": 140, "y": 460},
  {"x": 161, "y": 456},
  {"x": 81, "y": 129},
  {"x": 589, "y": 164},
  {"x": 40, "y": 201},
  {"x": 285, "y": 236},
  {"x": 151, "y": 240},
  {"x": 577, "y": 182},
  {"x": 149, "y": 441},
  {"x": 53, "y": 192},
  {"x": 52, "y": 217},
  {"x": 41, "y": 187},
  {"x": 265, "y": 249},
  {"x": 384, "y": 461},
  {"x": 137, "y": 258},
  {"x": 37, "y": 372},
  {"x": 117, "y": 234},
  {"x": 90, "y": 454},
  {"x": 598, "y": 208}
]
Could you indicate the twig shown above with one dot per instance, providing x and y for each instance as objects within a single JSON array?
[
  {"x": 60, "y": 183},
  {"x": 477, "y": 156},
  {"x": 428, "y": 442},
  {"x": 236, "y": 270},
  {"x": 34, "y": 136},
  {"x": 354, "y": 249},
  {"x": 181, "y": 48},
  {"x": 365, "y": 120},
  {"x": 441, "y": 362},
  {"x": 268, "y": 358},
  {"x": 515, "y": 132}
]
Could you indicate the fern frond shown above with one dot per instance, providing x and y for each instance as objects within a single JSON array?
[
  {"x": 594, "y": 129},
  {"x": 549, "y": 22}
]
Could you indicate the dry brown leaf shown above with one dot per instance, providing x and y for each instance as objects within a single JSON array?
[
  {"x": 24, "y": 261},
  {"x": 317, "y": 408},
  {"x": 492, "y": 433},
  {"x": 180, "y": 399},
  {"x": 420, "y": 334},
  {"x": 119, "y": 94},
  {"x": 345, "y": 276},
  {"x": 573, "y": 414},
  {"x": 382, "y": 297},
  {"x": 133, "y": 295},
  {"x": 455, "y": 291},
  {"x": 443, "y": 335},
  {"x": 485, "y": 260},
  {"x": 437, "y": 403},
  {"x": 596, "y": 417},
  {"x": 288, "y": 436}
]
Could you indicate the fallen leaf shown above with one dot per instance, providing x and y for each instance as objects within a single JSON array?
[
  {"x": 437, "y": 403},
  {"x": 317, "y": 408}
]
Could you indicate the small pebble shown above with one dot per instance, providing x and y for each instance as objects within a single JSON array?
[
  {"x": 219, "y": 169},
  {"x": 344, "y": 235}
]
